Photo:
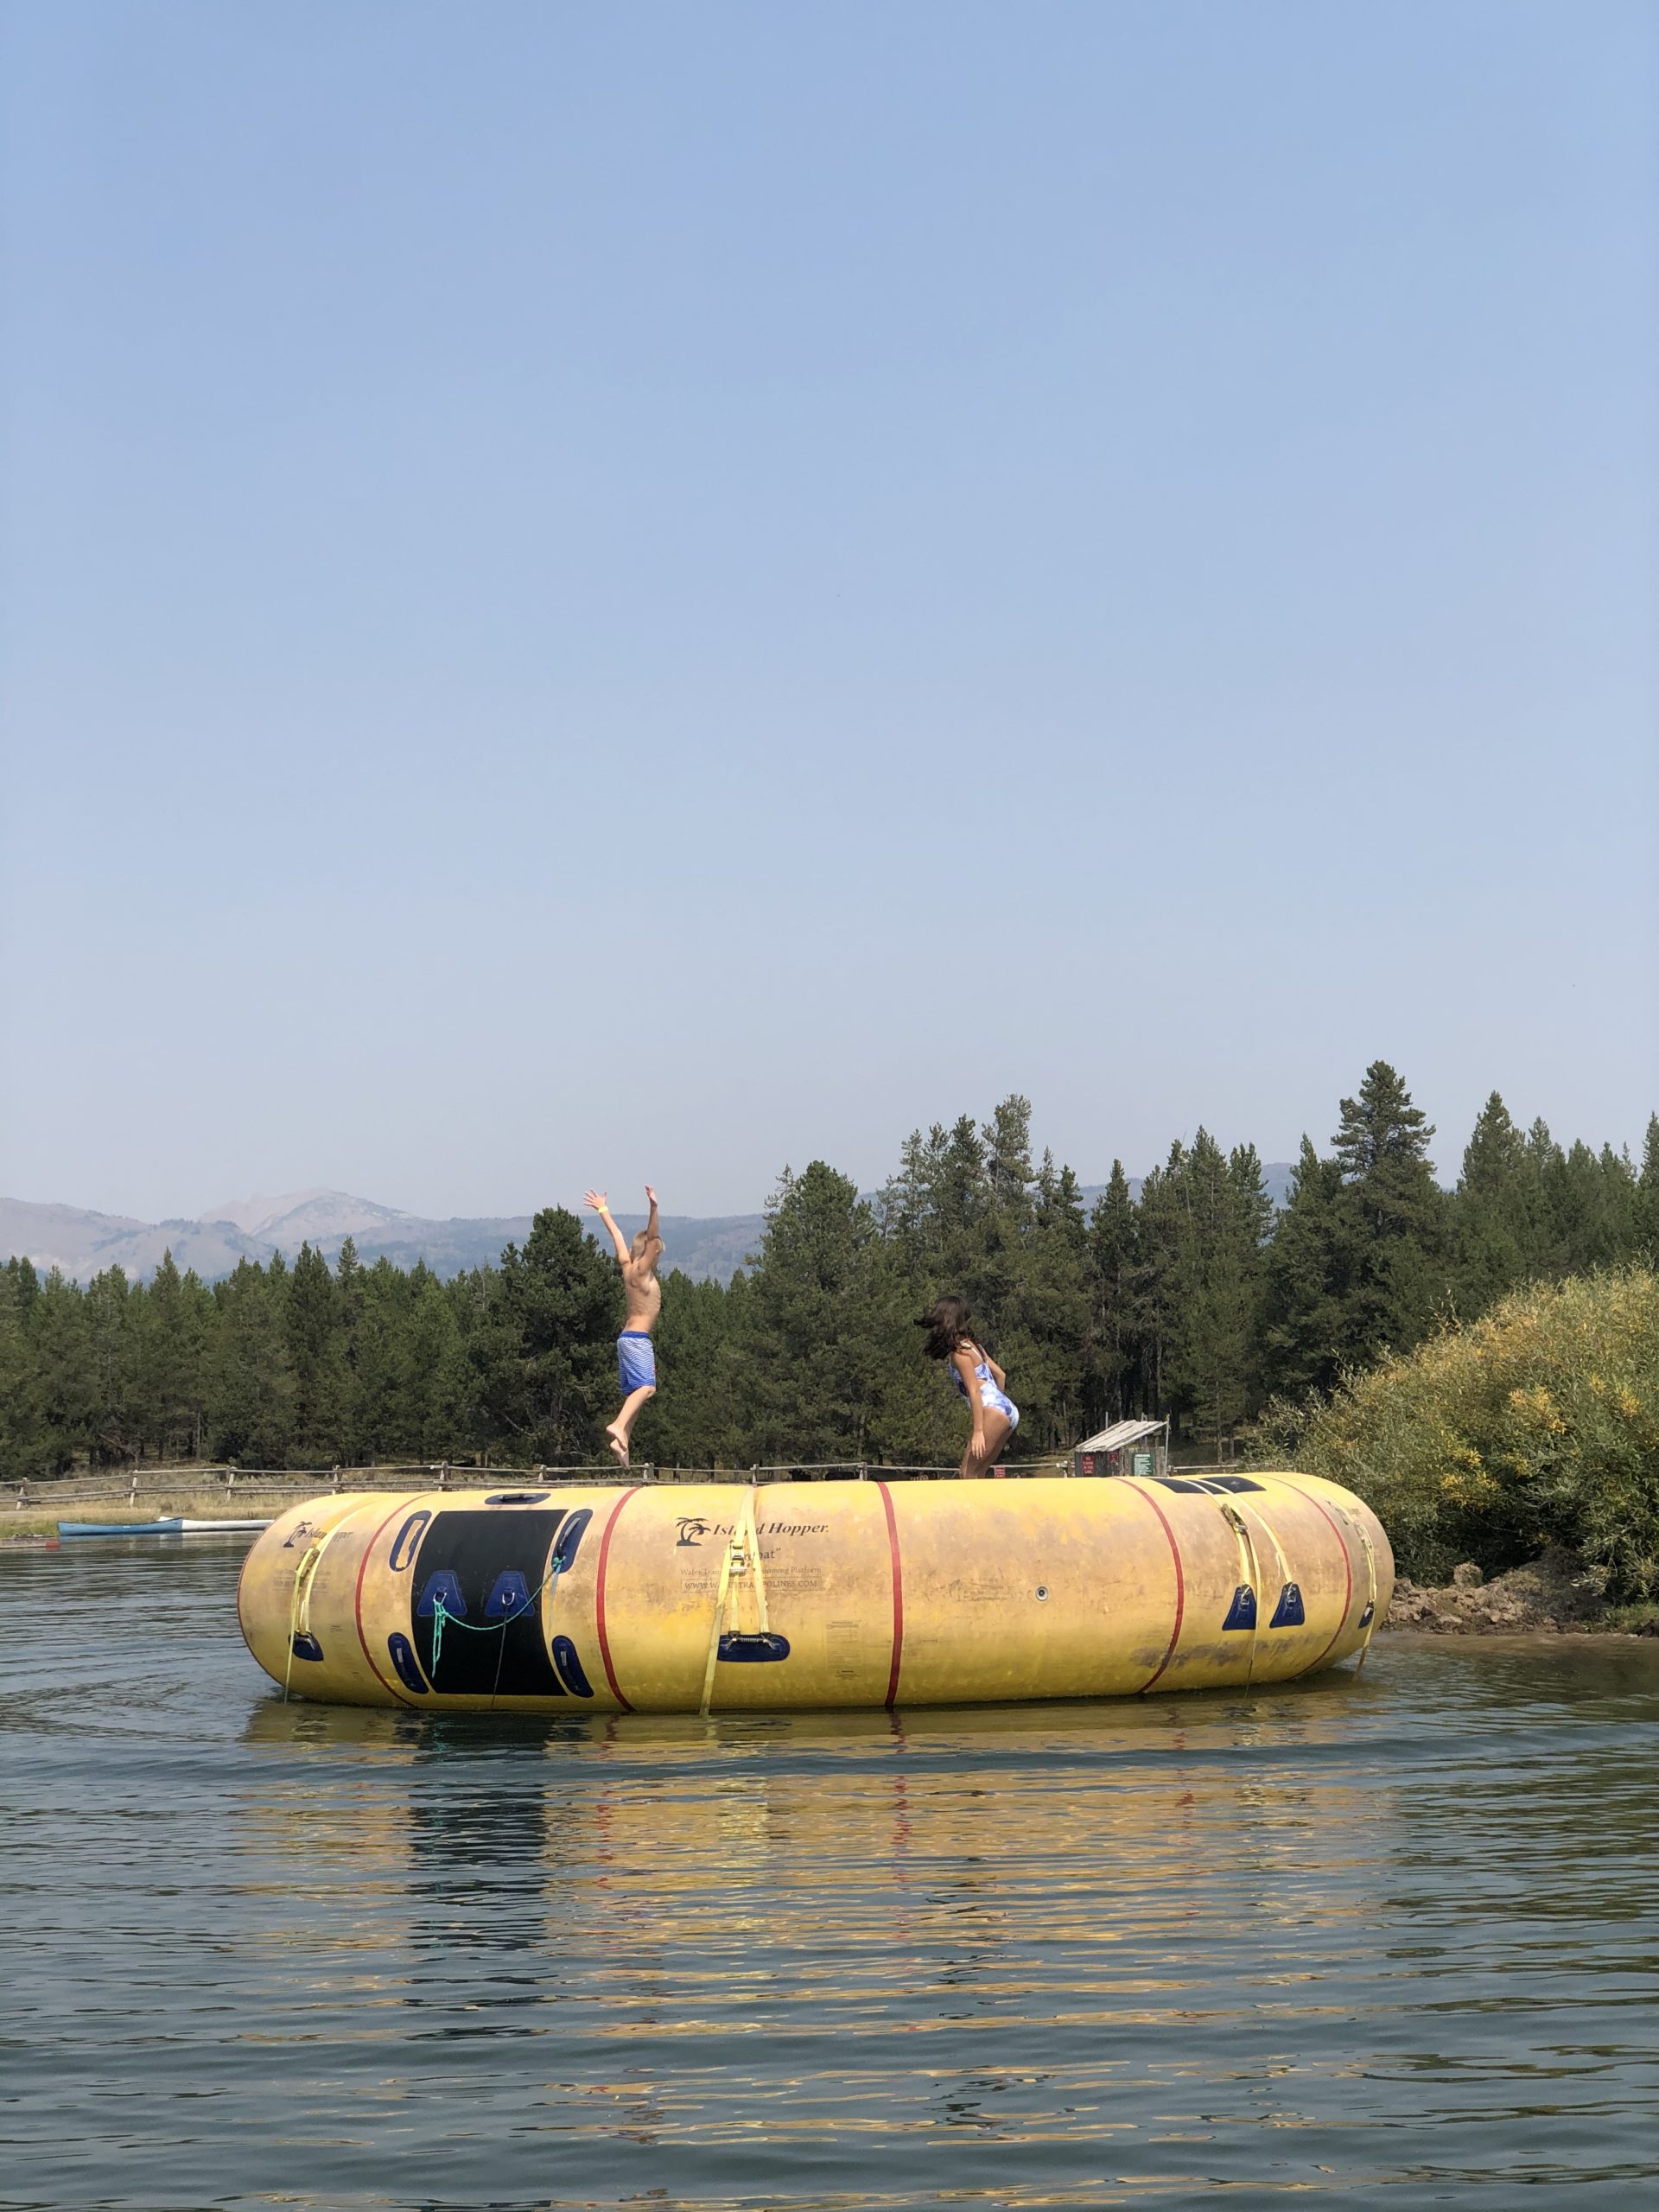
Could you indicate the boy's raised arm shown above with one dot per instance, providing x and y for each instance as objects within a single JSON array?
[{"x": 601, "y": 1207}]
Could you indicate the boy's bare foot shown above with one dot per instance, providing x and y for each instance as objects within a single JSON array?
[{"x": 618, "y": 1442}]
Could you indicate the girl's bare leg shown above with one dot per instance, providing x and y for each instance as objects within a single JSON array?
[
  {"x": 976, "y": 1464},
  {"x": 618, "y": 1431}
]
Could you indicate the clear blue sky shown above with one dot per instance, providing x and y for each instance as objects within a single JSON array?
[{"x": 596, "y": 591}]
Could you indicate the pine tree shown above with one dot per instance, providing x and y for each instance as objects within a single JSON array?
[
  {"x": 1396, "y": 1211},
  {"x": 1156, "y": 1286},
  {"x": 1308, "y": 1275},
  {"x": 171, "y": 1326},
  {"x": 1644, "y": 1211},
  {"x": 1217, "y": 1266},
  {"x": 960, "y": 1193},
  {"x": 936, "y": 1206},
  {"x": 380, "y": 1376},
  {"x": 350, "y": 1296},
  {"x": 985, "y": 1257},
  {"x": 1601, "y": 1208},
  {"x": 56, "y": 1334},
  {"x": 821, "y": 1317},
  {"x": 1009, "y": 1181},
  {"x": 316, "y": 1351},
  {"x": 1256, "y": 1215},
  {"x": 544, "y": 1362},
  {"x": 113, "y": 1429},
  {"x": 27, "y": 1285},
  {"x": 250, "y": 1375},
  {"x": 435, "y": 1400},
  {"x": 905, "y": 1208},
  {"x": 1495, "y": 1234},
  {"x": 1038, "y": 1313},
  {"x": 1589, "y": 1205},
  {"x": 1551, "y": 1200},
  {"x": 22, "y": 1440},
  {"x": 1114, "y": 1251},
  {"x": 705, "y": 1418}
]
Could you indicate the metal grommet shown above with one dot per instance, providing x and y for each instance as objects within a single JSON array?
[{"x": 1042, "y": 1590}]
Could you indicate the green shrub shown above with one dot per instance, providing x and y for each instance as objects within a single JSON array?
[{"x": 1537, "y": 1424}]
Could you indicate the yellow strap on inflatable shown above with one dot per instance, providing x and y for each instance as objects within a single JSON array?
[
  {"x": 739, "y": 1566},
  {"x": 305, "y": 1576},
  {"x": 1266, "y": 1527},
  {"x": 1364, "y": 1536},
  {"x": 757, "y": 1566},
  {"x": 732, "y": 1556},
  {"x": 304, "y": 1567},
  {"x": 1253, "y": 1576}
]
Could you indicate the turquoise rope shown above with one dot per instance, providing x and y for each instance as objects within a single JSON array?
[{"x": 441, "y": 1615}]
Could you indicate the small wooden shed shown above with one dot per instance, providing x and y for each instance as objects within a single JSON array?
[{"x": 1128, "y": 1447}]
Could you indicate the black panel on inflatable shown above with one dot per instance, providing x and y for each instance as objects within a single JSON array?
[{"x": 468, "y": 1553}]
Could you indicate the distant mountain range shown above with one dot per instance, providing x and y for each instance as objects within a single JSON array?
[{"x": 82, "y": 1244}]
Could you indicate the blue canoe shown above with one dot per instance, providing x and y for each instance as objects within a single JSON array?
[
  {"x": 174, "y": 1528},
  {"x": 178, "y": 1526}
]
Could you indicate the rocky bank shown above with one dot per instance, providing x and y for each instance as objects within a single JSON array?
[{"x": 1555, "y": 1594}]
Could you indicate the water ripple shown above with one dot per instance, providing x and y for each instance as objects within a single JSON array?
[{"x": 1392, "y": 1934}]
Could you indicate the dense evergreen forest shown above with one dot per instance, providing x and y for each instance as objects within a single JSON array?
[{"x": 1191, "y": 1299}]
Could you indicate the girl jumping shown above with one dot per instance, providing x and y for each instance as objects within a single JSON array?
[{"x": 950, "y": 1338}]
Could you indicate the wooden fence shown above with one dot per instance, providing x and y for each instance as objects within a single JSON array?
[
  {"x": 244, "y": 1486},
  {"x": 241, "y": 1485}
]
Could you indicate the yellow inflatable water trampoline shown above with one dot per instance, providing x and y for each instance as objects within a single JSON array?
[{"x": 678, "y": 1598}]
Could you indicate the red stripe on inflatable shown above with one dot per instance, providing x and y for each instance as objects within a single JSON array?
[
  {"x": 1347, "y": 1564},
  {"x": 357, "y": 1597},
  {"x": 1180, "y": 1583},
  {"x": 898, "y": 1595},
  {"x": 599, "y": 1599}
]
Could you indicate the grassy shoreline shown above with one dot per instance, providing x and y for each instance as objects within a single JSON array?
[{"x": 32, "y": 1523}]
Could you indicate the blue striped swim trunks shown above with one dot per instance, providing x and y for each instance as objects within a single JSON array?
[{"x": 636, "y": 1361}]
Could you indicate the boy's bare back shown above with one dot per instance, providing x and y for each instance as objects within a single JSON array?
[{"x": 641, "y": 1289}]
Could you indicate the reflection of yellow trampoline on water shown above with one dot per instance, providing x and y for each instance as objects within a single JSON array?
[{"x": 680, "y": 1598}]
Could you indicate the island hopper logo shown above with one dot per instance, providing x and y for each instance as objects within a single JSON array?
[{"x": 693, "y": 1529}]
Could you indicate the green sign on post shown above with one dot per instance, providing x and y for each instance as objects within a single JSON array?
[{"x": 1143, "y": 1463}]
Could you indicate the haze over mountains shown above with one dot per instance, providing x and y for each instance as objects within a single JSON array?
[{"x": 82, "y": 1244}]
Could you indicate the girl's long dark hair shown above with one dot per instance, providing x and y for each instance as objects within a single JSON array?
[{"x": 950, "y": 1326}]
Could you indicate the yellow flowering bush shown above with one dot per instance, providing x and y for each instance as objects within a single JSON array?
[{"x": 1537, "y": 1424}]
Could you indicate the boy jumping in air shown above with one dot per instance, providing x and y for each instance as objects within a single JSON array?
[{"x": 636, "y": 1358}]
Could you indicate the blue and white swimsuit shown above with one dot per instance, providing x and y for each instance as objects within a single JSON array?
[{"x": 992, "y": 1396}]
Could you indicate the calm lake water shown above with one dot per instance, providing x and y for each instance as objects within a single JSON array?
[{"x": 1394, "y": 1936}]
